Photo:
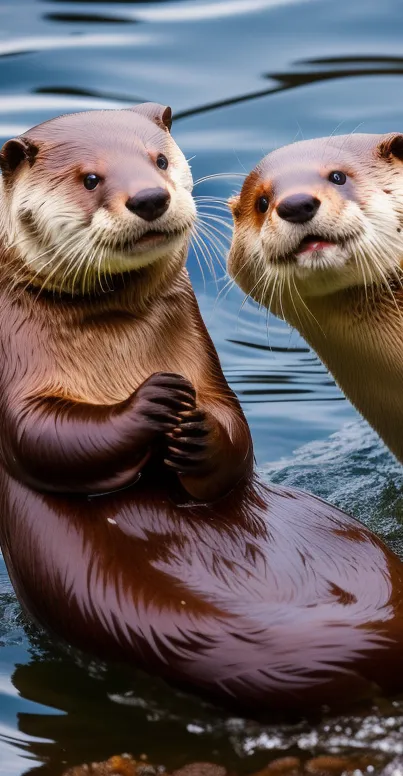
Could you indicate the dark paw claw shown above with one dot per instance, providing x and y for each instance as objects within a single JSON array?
[{"x": 189, "y": 444}]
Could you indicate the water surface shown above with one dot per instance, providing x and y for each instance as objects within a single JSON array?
[{"x": 243, "y": 77}]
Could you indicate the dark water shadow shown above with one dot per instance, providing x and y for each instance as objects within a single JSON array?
[
  {"x": 74, "y": 91},
  {"x": 376, "y": 66},
  {"x": 88, "y": 711},
  {"x": 108, "y": 2},
  {"x": 87, "y": 18}
]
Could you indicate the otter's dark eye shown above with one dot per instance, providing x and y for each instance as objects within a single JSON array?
[
  {"x": 162, "y": 162},
  {"x": 91, "y": 181},
  {"x": 262, "y": 204},
  {"x": 337, "y": 177}
]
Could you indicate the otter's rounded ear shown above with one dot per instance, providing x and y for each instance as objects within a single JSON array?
[
  {"x": 233, "y": 205},
  {"x": 159, "y": 114},
  {"x": 391, "y": 145},
  {"x": 15, "y": 151}
]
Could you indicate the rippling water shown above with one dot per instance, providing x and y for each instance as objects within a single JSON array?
[{"x": 243, "y": 77}]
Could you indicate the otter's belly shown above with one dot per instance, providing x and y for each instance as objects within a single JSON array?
[{"x": 261, "y": 598}]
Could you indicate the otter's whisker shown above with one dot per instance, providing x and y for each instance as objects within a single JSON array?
[
  {"x": 309, "y": 311},
  {"x": 99, "y": 264},
  {"x": 227, "y": 287},
  {"x": 231, "y": 282},
  {"x": 274, "y": 288},
  {"x": 209, "y": 248},
  {"x": 210, "y": 198},
  {"x": 88, "y": 264},
  {"x": 206, "y": 248},
  {"x": 219, "y": 175},
  {"x": 376, "y": 259},
  {"x": 332, "y": 134},
  {"x": 263, "y": 296},
  {"x": 101, "y": 261},
  {"x": 54, "y": 273},
  {"x": 216, "y": 243},
  {"x": 215, "y": 208},
  {"x": 288, "y": 276},
  {"x": 212, "y": 244},
  {"x": 70, "y": 261},
  {"x": 249, "y": 295},
  {"x": 280, "y": 296},
  {"x": 362, "y": 264},
  {"x": 218, "y": 220},
  {"x": 214, "y": 231},
  {"x": 196, "y": 244},
  {"x": 224, "y": 292},
  {"x": 206, "y": 251},
  {"x": 222, "y": 240},
  {"x": 37, "y": 274},
  {"x": 347, "y": 137},
  {"x": 59, "y": 251}
]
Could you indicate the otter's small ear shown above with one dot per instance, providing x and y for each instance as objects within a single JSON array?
[
  {"x": 233, "y": 205},
  {"x": 391, "y": 145},
  {"x": 159, "y": 114},
  {"x": 15, "y": 151}
]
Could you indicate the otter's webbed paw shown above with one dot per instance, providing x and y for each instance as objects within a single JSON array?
[
  {"x": 161, "y": 399},
  {"x": 192, "y": 444}
]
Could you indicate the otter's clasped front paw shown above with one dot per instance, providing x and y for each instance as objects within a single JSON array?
[
  {"x": 191, "y": 445},
  {"x": 161, "y": 399}
]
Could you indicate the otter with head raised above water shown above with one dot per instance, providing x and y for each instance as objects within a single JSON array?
[
  {"x": 131, "y": 521},
  {"x": 318, "y": 240}
]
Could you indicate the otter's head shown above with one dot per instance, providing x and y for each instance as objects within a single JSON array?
[
  {"x": 320, "y": 216},
  {"x": 89, "y": 196}
]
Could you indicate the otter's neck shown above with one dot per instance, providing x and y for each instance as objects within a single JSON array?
[
  {"x": 359, "y": 336},
  {"x": 100, "y": 350}
]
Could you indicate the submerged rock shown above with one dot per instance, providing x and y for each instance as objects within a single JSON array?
[{"x": 325, "y": 765}]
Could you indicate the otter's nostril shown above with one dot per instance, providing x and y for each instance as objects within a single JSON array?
[
  {"x": 298, "y": 208},
  {"x": 149, "y": 203}
]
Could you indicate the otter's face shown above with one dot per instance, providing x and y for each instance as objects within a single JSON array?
[
  {"x": 94, "y": 194},
  {"x": 320, "y": 216}
]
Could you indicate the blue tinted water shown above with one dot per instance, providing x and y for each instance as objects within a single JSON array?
[{"x": 243, "y": 77}]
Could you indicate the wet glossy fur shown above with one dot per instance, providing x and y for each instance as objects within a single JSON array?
[
  {"x": 346, "y": 300},
  {"x": 130, "y": 518}
]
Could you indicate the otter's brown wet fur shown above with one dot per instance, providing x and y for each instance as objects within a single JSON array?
[
  {"x": 345, "y": 297},
  {"x": 131, "y": 521}
]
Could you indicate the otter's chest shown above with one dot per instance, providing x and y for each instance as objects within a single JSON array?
[
  {"x": 106, "y": 364},
  {"x": 98, "y": 361},
  {"x": 365, "y": 356},
  {"x": 365, "y": 350}
]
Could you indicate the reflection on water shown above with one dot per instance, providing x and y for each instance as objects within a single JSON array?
[
  {"x": 180, "y": 12},
  {"x": 243, "y": 77},
  {"x": 60, "y": 709}
]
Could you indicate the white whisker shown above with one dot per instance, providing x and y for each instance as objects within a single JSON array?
[{"x": 219, "y": 175}]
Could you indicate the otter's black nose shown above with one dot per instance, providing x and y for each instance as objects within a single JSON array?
[
  {"x": 149, "y": 203},
  {"x": 298, "y": 208}
]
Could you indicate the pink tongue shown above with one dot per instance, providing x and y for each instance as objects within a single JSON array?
[{"x": 315, "y": 245}]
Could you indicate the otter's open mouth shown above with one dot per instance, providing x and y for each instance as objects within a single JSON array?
[
  {"x": 314, "y": 242},
  {"x": 149, "y": 239},
  {"x": 151, "y": 236}
]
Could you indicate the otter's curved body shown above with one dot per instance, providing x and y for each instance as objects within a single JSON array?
[
  {"x": 130, "y": 519},
  {"x": 318, "y": 240}
]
